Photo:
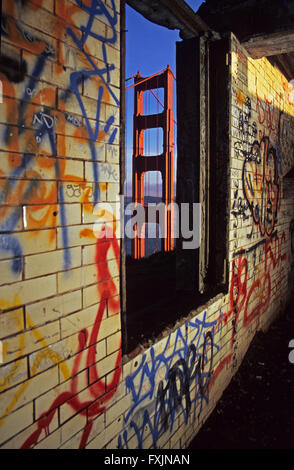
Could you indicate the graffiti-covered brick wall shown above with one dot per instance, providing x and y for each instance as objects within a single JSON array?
[
  {"x": 62, "y": 382},
  {"x": 59, "y": 295},
  {"x": 174, "y": 385}
]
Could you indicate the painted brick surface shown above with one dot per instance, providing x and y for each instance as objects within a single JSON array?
[
  {"x": 261, "y": 262},
  {"x": 62, "y": 382},
  {"x": 59, "y": 299}
]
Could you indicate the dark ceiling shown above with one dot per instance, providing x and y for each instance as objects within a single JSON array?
[
  {"x": 264, "y": 27},
  {"x": 261, "y": 23}
]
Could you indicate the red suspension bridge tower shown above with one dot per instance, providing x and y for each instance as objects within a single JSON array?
[{"x": 164, "y": 163}]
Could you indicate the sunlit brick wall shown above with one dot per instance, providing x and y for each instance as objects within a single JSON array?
[
  {"x": 59, "y": 295},
  {"x": 61, "y": 380}
]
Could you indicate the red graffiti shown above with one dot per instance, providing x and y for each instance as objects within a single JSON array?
[
  {"x": 255, "y": 299},
  {"x": 100, "y": 391},
  {"x": 238, "y": 292},
  {"x": 260, "y": 292},
  {"x": 258, "y": 295},
  {"x": 268, "y": 113}
]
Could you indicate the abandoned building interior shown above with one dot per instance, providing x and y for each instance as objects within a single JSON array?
[{"x": 104, "y": 344}]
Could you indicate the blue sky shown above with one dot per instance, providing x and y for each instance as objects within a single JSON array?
[{"x": 149, "y": 49}]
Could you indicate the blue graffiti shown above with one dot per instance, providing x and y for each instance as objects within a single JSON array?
[
  {"x": 10, "y": 244},
  {"x": 96, "y": 9},
  {"x": 109, "y": 123},
  {"x": 187, "y": 366}
]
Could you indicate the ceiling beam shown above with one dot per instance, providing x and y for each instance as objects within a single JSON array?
[
  {"x": 175, "y": 14},
  {"x": 270, "y": 44},
  {"x": 285, "y": 64}
]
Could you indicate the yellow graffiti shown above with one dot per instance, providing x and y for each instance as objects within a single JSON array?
[
  {"x": 4, "y": 305},
  {"x": 45, "y": 353}
]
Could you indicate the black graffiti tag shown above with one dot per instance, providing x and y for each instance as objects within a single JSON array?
[{"x": 177, "y": 393}]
